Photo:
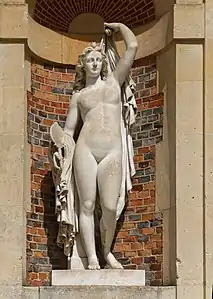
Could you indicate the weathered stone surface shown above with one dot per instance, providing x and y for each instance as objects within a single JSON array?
[
  {"x": 102, "y": 277},
  {"x": 107, "y": 292}
]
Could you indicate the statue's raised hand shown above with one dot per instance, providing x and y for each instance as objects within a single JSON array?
[{"x": 114, "y": 26}]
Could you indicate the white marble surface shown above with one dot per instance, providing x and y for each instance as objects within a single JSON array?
[{"x": 99, "y": 277}]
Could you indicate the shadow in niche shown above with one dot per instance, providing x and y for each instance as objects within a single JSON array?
[{"x": 56, "y": 254}]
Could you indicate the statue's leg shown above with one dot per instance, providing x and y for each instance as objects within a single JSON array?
[
  {"x": 85, "y": 168},
  {"x": 109, "y": 183}
]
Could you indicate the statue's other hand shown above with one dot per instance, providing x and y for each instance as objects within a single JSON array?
[{"x": 114, "y": 26}]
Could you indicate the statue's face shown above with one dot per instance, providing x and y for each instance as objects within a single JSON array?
[{"x": 93, "y": 64}]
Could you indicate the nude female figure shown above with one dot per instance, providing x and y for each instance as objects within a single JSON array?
[{"x": 98, "y": 152}]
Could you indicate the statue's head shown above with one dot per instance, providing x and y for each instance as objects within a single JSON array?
[{"x": 91, "y": 63}]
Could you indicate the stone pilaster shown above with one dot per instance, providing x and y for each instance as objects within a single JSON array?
[
  {"x": 181, "y": 78},
  {"x": 208, "y": 146},
  {"x": 13, "y": 34}
]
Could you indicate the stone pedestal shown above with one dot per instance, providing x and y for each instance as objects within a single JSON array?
[{"x": 99, "y": 277}]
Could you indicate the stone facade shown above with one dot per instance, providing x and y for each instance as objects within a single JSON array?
[
  {"x": 182, "y": 41},
  {"x": 138, "y": 243}
]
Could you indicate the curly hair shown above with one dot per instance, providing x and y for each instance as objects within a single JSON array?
[{"x": 80, "y": 78}]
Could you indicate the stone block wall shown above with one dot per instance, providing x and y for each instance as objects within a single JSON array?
[{"x": 139, "y": 238}]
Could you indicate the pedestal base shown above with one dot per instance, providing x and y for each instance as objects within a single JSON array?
[{"x": 98, "y": 277}]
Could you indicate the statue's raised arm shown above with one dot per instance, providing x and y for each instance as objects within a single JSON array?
[{"x": 124, "y": 65}]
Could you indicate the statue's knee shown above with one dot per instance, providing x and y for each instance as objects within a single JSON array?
[
  {"x": 88, "y": 207},
  {"x": 109, "y": 209}
]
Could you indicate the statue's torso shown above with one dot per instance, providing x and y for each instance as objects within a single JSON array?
[{"x": 100, "y": 109}]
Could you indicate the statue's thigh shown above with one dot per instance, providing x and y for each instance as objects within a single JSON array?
[
  {"x": 109, "y": 179},
  {"x": 85, "y": 170}
]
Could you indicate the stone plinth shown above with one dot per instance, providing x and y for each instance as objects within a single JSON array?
[{"x": 100, "y": 277}]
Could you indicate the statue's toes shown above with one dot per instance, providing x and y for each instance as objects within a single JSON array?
[
  {"x": 118, "y": 266},
  {"x": 94, "y": 267}
]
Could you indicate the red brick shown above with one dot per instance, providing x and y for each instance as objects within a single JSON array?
[
  {"x": 151, "y": 208},
  {"x": 39, "y": 210},
  {"x": 39, "y": 106},
  {"x": 121, "y": 247},
  {"x": 55, "y": 76},
  {"x": 127, "y": 225},
  {"x": 150, "y": 245},
  {"x": 122, "y": 235},
  {"x": 32, "y": 230},
  {"x": 137, "y": 260},
  {"x": 138, "y": 158},
  {"x": 159, "y": 244},
  {"x": 155, "y": 267},
  {"x": 41, "y": 231},
  {"x": 44, "y": 240},
  {"x": 51, "y": 97},
  {"x": 147, "y": 230},
  {"x": 46, "y": 88},
  {"x": 158, "y": 275},
  {"x": 35, "y": 186},
  {"x": 157, "y": 251},
  {"x": 130, "y": 239},
  {"x": 49, "y": 109},
  {"x": 68, "y": 77},
  {"x": 156, "y": 238},
  {"x": 44, "y": 276},
  {"x": 158, "y": 103},
  {"x": 143, "y": 150},
  {"x": 56, "y": 104},
  {"x": 48, "y": 122},
  {"x": 144, "y": 252},
  {"x": 153, "y": 90},
  {"x": 60, "y": 111},
  {"x": 130, "y": 253},
  {"x": 137, "y": 187},
  {"x": 159, "y": 230},
  {"x": 43, "y": 73},
  {"x": 136, "y": 246},
  {"x": 37, "y": 239},
  {"x": 39, "y": 95},
  {"x": 37, "y": 253},
  {"x": 50, "y": 82},
  {"x": 33, "y": 275},
  {"x": 142, "y": 107},
  {"x": 147, "y": 216},
  {"x": 36, "y": 149},
  {"x": 136, "y": 203},
  {"x": 37, "y": 178},
  {"x": 141, "y": 210},
  {"x": 65, "y": 105},
  {"x": 63, "y": 98}
]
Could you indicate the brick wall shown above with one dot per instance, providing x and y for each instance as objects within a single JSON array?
[
  {"x": 133, "y": 13},
  {"x": 48, "y": 102},
  {"x": 139, "y": 237}
]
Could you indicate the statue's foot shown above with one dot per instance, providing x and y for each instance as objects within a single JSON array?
[
  {"x": 112, "y": 262},
  {"x": 93, "y": 264}
]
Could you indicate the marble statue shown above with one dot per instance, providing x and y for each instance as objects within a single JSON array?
[{"x": 98, "y": 165}]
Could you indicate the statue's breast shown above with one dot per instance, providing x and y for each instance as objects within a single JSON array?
[
  {"x": 103, "y": 93},
  {"x": 89, "y": 100}
]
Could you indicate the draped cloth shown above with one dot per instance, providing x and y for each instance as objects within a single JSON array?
[
  {"x": 127, "y": 120},
  {"x": 66, "y": 201}
]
